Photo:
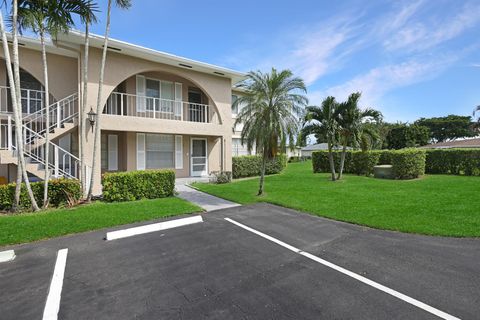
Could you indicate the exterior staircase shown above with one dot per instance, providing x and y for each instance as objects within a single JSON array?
[{"x": 63, "y": 119}]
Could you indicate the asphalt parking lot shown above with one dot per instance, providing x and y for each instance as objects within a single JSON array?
[{"x": 266, "y": 262}]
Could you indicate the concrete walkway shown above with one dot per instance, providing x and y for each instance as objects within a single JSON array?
[{"x": 202, "y": 199}]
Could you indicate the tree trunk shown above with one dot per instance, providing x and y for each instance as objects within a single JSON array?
[
  {"x": 82, "y": 112},
  {"x": 6, "y": 53},
  {"x": 330, "y": 159},
  {"x": 47, "y": 120},
  {"x": 99, "y": 106},
  {"x": 262, "y": 174},
  {"x": 18, "y": 108},
  {"x": 342, "y": 160}
]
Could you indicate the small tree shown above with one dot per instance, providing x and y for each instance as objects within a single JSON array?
[
  {"x": 14, "y": 81},
  {"x": 351, "y": 123},
  {"x": 46, "y": 18},
  {"x": 322, "y": 121},
  {"x": 87, "y": 16},
  {"x": 124, "y": 4},
  {"x": 272, "y": 103}
]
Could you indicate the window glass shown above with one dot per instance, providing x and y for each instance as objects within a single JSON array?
[
  {"x": 104, "y": 152},
  {"x": 234, "y": 108},
  {"x": 167, "y": 95},
  {"x": 160, "y": 151},
  {"x": 153, "y": 88}
]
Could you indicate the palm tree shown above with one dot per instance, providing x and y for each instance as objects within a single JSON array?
[
  {"x": 351, "y": 119},
  {"x": 17, "y": 111},
  {"x": 124, "y": 4},
  {"x": 87, "y": 16},
  {"x": 322, "y": 121},
  {"x": 271, "y": 104},
  {"x": 46, "y": 18}
]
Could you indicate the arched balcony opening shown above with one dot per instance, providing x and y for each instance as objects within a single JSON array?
[
  {"x": 31, "y": 89},
  {"x": 160, "y": 95}
]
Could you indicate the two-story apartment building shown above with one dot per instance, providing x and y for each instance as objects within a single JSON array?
[{"x": 160, "y": 110}]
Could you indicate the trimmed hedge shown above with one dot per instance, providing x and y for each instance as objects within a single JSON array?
[
  {"x": 453, "y": 161},
  {"x": 357, "y": 162},
  {"x": 137, "y": 185},
  {"x": 407, "y": 163},
  {"x": 61, "y": 192},
  {"x": 249, "y": 166}
]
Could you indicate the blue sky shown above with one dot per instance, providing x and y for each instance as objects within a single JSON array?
[{"x": 410, "y": 59}]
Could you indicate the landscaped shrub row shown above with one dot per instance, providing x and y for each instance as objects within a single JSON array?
[
  {"x": 406, "y": 163},
  {"x": 357, "y": 162},
  {"x": 249, "y": 166},
  {"x": 137, "y": 185},
  {"x": 453, "y": 161},
  {"x": 61, "y": 192}
]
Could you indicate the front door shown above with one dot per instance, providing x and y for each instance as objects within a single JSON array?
[{"x": 198, "y": 157}]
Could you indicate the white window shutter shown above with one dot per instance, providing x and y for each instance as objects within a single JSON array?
[
  {"x": 140, "y": 151},
  {"x": 141, "y": 91},
  {"x": 112, "y": 152},
  {"x": 178, "y": 152},
  {"x": 178, "y": 100}
]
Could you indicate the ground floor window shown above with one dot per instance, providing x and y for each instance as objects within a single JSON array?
[{"x": 159, "y": 151}]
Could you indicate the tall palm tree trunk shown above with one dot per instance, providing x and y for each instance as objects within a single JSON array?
[
  {"x": 330, "y": 159},
  {"x": 99, "y": 106},
  {"x": 342, "y": 160},
  {"x": 83, "y": 109},
  {"x": 6, "y": 53},
  {"x": 262, "y": 173},
  {"x": 17, "y": 109},
  {"x": 47, "y": 120}
]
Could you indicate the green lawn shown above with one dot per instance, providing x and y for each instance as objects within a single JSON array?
[
  {"x": 52, "y": 223},
  {"x": 434, "y": 205}
]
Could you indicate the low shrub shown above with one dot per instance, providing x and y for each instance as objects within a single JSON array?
[
  {"x": 408, "y": 163},
  {"x": 357, "y": 162},
  {"x": 363, "y": 162},
  {"x": 220, "y": 177},
  {"x": 61, "y": 192},
  {"x": 249, "y": 166},
  {"x": 137, "y": 185},
  {"x": 385, "y": 156},
  {"x": 453, "y": 161}
]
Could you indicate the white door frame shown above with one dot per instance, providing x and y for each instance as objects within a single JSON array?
[{"x": 204, "y": 173}]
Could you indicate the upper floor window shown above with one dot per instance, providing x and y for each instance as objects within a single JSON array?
[{"x": 234, "y": 107}]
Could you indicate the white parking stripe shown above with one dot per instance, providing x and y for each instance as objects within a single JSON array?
[
  {"x": 354, "y": 275},
  {"x": 6, "y": 256},
  {"x": 152, "y": 228},
  {"x": 52, "y": 306}
]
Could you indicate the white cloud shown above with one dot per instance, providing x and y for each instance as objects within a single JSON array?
[
  {"x": 428, "y": 33},
  {"x": 380, "y": 80}
]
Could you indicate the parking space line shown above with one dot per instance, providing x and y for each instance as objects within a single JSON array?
[
  {"x": 354, "y": 275},
  {"x": 152, "y": 228},
  {"x": 6, "y": 256},
  {"x": 52, "y": 306}
]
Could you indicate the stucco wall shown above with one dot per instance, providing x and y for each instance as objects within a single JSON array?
[
  {"x": 120, "y": 67},
  {"x": 62, "y": 71}
]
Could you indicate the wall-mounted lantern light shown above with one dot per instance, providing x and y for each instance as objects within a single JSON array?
[{"x": 92, "y": 117}]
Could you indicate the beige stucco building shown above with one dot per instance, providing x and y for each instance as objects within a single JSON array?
[{"x": 160, "y": 111}]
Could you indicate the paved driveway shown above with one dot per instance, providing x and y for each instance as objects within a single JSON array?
[{"x": 245, "y": 269}]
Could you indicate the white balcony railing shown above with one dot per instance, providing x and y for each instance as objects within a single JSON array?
[
  {"x": 124, "y": 104},
  {"x": 32, "y": 100}
]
